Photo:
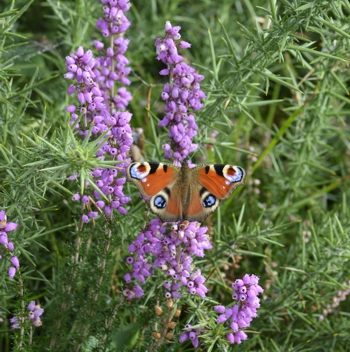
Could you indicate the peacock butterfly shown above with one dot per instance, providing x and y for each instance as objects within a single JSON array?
[{"x": 177, "y": 193}]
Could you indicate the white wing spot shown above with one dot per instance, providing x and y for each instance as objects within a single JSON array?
[
  {"x": 144, "y": 179},
  {"x": 227, "y": 182}
]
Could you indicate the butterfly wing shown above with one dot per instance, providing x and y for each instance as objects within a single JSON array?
[
  {"x": 158, "y": 181},
  {"x": 209, "y": 185}
]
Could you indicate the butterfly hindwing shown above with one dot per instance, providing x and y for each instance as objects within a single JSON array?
[{"x": 202, "y": 203}]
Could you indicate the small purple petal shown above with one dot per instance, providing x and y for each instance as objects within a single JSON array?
[
  {"x": 12, "y": 272},
  {"x": 10, "y": 226},
  {"x": 31, "y": 306},
  {"x": 15, "y": 261}
]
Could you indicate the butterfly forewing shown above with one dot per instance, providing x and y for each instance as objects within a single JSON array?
[
  {"x": 151, "y": 178},
  {"x": 221, "y": 180}
]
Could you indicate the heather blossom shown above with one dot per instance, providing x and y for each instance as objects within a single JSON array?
[
  {"x": 191, "y": 334},
  {"x": 8, "y": 247},
  {"x": 240, "y": 315},
  {"x": 173, "y": 253},
  {"x": 35, "y": 311},
  {"x": 98, "y": 108},
  {"x": 182, "y": 95}
]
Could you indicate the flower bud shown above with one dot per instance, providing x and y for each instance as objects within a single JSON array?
[{"x": 159, "y": 310}]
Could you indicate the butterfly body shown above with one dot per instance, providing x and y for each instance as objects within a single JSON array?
[{"x": 177, "y": 193}]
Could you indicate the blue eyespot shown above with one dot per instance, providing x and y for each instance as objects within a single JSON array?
[
  {"x": 139, "y": 171},
  {"x": 236, "y": 177},
  {"x": 160, "y": 202},
  {"x": 209, "y": 201}
]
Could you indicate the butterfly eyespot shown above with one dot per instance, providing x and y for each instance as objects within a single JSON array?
[
  {"x": 209, "y": 201},
  {"x": 139, "y": 171},
  {"x": 160, "y": 202},
  {"x": 233, "y": 174}
]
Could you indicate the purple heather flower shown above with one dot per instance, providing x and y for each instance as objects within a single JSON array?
[
  {"x": 100, "y": 204},
  {"x": 85, "y": 199},
  {"x": 135, "y": 292},
  {"x": 35, "y": 313},
  {"x": 10, "y": 226},
  {"x": 92, "y": 214},
  {"x": 3, "y": 215},
  {"x": 31, "y": 305},
  {"x": 93, "y": 81},
  {"x": 15, "y": 261},
  {"x": 3, "y": 238},
  {"x": 12, "y": 272},
  {"x": 190, "y": 334},
  {"x": 182, "y": 95},
  {"x": 76, "y": 197},
  {"x": 183, "y": 241},
  {"x": 7, "y": 227},
  {"x": 11, "y": 246},
  {"x": 14, "y": 323},
  {"x": 85, "y": 218},
  {"x": 241, "y": 314},
  {"x": 220, "y": 309},
  {"x": 34, "y": 316},
  {"x": 183, "y": 337},
  {"x": 4, "y": 225}
]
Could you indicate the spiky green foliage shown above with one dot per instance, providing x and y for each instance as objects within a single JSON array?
[{"x": 277, "y": 86}]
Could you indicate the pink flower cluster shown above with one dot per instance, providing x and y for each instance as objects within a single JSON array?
[
  {"x": 191, "y": 334},
  {"x": 8, "y": 246},
  {"x": 114, "y": 21},
  {"x": 173, "y": 254},
  {"x": 97, "y": 108},
  {"x": 182, "y": 95},
  {"x": 241, "y": 314},
  {"x": 34, "y": 316}
]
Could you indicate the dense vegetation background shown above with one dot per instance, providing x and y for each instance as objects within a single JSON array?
[{"x": 276, "y": 81}]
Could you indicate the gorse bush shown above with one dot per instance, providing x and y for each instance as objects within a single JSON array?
[{"x": 90, "y": 89}]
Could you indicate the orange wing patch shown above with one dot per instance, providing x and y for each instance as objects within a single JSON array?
[
  {"x": 195, "y": 206},
  {"x": 154, "y": 183},
  {"x": 174, "y": 207},
  {"x": 218, "y": 185}
]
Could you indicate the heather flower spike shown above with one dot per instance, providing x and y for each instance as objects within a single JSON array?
[
  {"x": 102, "y": 108},
  {"x": 9, "y": 246},
  {"x": 241, "y": 314},
  {"x": 172, "y": 252},
  {"x": 182, "y": 95}
]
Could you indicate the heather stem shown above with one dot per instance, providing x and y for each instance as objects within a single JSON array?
[
  {"x": 75, "y": 259},
  {"x": 99, "y": 282},
  {"x": 30, "y": 335},
  {"x": 110, "y": 321},
  {"x": 22, "y": 313},
  {"x": 164, "y": 329}
]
